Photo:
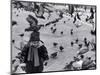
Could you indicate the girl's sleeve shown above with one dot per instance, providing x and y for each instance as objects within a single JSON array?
[{"x": 44, "y": 53}]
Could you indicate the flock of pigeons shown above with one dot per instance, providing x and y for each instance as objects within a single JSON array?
[{"x": 87, "y": 63}]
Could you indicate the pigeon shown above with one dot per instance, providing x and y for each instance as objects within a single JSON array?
[
  {"x": 21, "y": 35},
  {"x": 14, "y": 23},
  {"x": 64, "y": 21},
  {"x": 13, "y": 61},
  {"x": 92, "y": 13},
  {"x": 54, "y": 30},
  {"x": 51, "y": 28},
  {"x": 15, "y": 68},
  {"x": 61, "y": 48},
  {"x": 42, "y": 17},
  {"x": 93, "y": 32},
  {"x": 54, "y": 25},
  {"x": 13, "y": 41},
  {"x": 18, "y": 5},
  {"x": 87, "y": 18},
  {"x": 45, "y": 63},
  {"x": 76, "y": 41},
  {"x": 69, "y": 66},
  {"x": 74, "y": 19},
  {"x": 61, "y": 32},
  {"x": 87, "y": 63},
  {"x": 55, "y": 44},
  {"x": 54, "y": 21},
  {"x": 78, "y": 16},
  {"x": 39, "y": 11},
  {"x": 71, "y": 32},
  {"x": 83, "y": 51},
  {"x": 17, "y": 15},
  {"x": 54, "y": 55},
  {"x": 80, "y": 46},
  {"x": 72, "y": 43},
  {"x": 78, "y": 25},
  {"x": 87, "y": 43}
]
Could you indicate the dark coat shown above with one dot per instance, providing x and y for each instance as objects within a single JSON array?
[{"x": 43, "y": 55}]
